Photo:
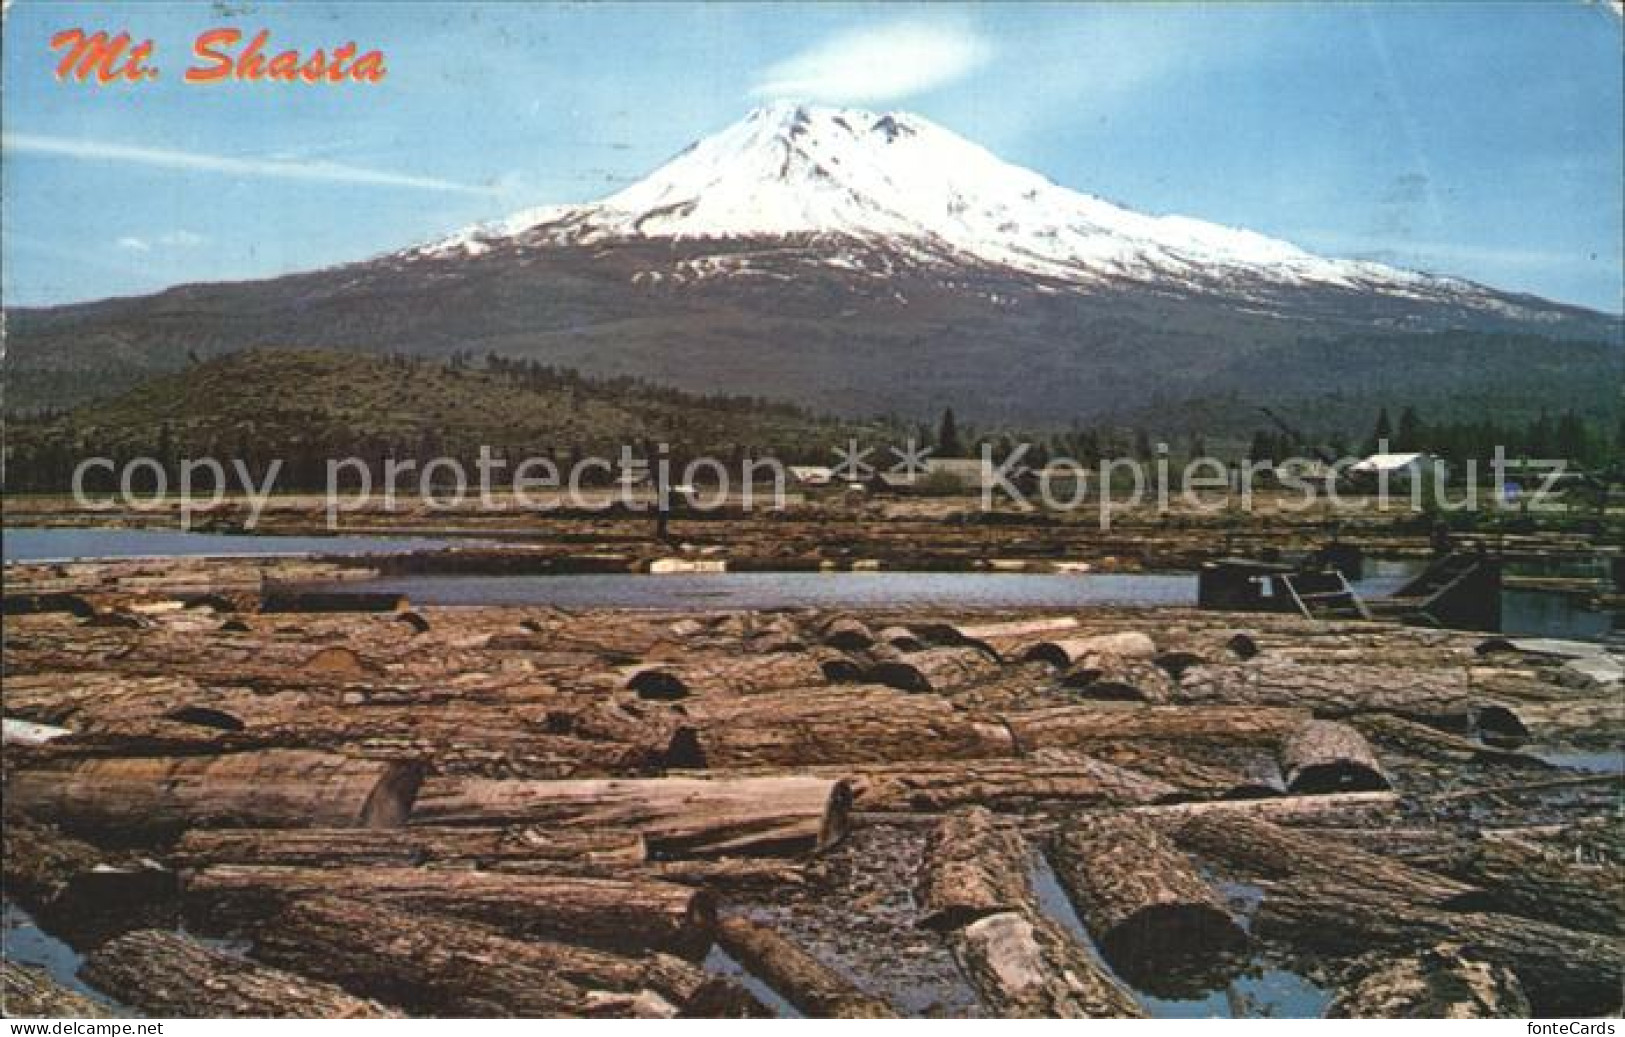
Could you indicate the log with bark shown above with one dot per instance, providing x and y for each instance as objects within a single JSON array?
[
  {"x": 470, "y": 739},
  {"x": 899, "y": 637},
  {"x": 1141, "y": 898},
  {"x": 1109, "y": 679},
  {"x": 590, "y": 851},
  {"x": 732, "y": 675},
  {"x": 433, "y": 964},
  {"x": 1014, "y": 783},
  {"x": 1435, "y": 694},
  {"x": 1565, "y": 972},
  {"x": 1262, "y": 850},
  {"x": 1437, "y": 983},
  {"x": 1025, "y": 967},
  {"x": 154, "y": 797},
  {"x": 1338, "y": 808},
  {"x": 974, "y": 865},
  {"x": 1079, "y": 727},
  {"x": 1325, "y": 756},
  {"x": 847, "y": 633},
  {"x": 79, "y": 890},
  {"x": 814, "y": 988},
  {"x": 1242, "y": 774},
  {"x": 676, "y": 816},
  {"x": 1523, "y": 877},
  {"x": 832, "y": 725},
  {"x": 169, "y": 974},
  {"x": 1065, "y": 653},
  {"x": 940, "y": 670},
  {"x": 626, "y": 914}
]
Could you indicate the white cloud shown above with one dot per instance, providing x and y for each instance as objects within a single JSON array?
[
  {"x": 134, "y": 244},
  {"x": 183, "y": 239},
  {"x": 887, "y": 63},
  {"x": 256, "y": 167}
]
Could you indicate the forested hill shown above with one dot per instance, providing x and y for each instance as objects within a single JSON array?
[{"x": 306, "y": 406}]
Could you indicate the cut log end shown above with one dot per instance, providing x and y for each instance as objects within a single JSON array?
[
  {"x": 658, "y": 686},
  {"x": 1160, "y": 933},
  {"x": 1323, "y": 757}
]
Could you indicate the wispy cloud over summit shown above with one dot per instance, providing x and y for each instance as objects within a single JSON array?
[{"x": 877, "y": 65}]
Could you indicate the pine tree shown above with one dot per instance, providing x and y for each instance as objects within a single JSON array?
[
  {"x": 1262, "y": 448},
  {"x": 1409, "y": 436},
  {"x": 948, "y": 444},
  {"x": 1384, "y": 430},
  {"x": 1570, "y": 441}
]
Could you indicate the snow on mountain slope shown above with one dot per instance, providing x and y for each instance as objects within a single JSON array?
[{"x": 901, "y": 183}]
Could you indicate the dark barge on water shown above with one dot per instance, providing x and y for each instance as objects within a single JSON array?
[{"x": 1461, "y": 590}]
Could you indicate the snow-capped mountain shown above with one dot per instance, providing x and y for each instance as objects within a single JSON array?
[
  {"x": 902, "y": 183},
  {"x": 865, "y": 263}
]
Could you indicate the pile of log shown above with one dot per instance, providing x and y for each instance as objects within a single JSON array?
[{"x": 540, "y": 812}]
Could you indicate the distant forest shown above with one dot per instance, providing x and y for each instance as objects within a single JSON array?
[{"x": 306, "y": 407}]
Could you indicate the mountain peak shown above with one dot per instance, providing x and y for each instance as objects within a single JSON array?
[{"x": 899, "y": 182}]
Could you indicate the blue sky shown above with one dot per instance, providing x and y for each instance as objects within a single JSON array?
[{"x": 1482, "y": 140}]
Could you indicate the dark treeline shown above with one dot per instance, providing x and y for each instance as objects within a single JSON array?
[{"x": 1567, "y": 436}]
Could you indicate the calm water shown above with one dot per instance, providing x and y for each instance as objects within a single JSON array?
[
  {"x": 26, "y": 943},
  {"x": 1527, "y": 613},
  {"x": 778, "y": 590},
  {"x": 51, "y": 545}
]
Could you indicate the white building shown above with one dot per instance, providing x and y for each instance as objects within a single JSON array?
[{"x": 1395, "y": 467}]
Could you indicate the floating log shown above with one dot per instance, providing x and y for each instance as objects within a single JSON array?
[
  {"x": 1337, "y": 807},
  {"x": 1025, "y": 968},
  {"x": 1438, "y": 983},
  {"x": 1422, "y": 740},
  {"x": 900, "y": 638},
  {"x": 1264, "y": 850},
  {"x": 1553, "y": 884},
  {"x": 168, "y": 974},
  {"x": 1565, "y": 972},
  {"x": 974, "y": 865},
  {"x": 281, "y": 600},
  {"x": 692, "y": 816},
  {"x": 79, "y": 889},
  {"x": 1325, "y": 756},
  {"x": 429, "y": 963},
  {"x": 815, "y": 989},
  {"x": 940, "y": 670},
  {"x": 152, "y": 796},
  {"x": 1437, "y": 694},
  {"x": 1109, "y": 679},
  {"x": 30, "y": 993},
  {"x": 1069, "y": 727},
  {"x": 1007, "y": 633},
  {"x": 590, "y": 850},
  {"x": 1022, "y": 782},
  {"x": 735, "y": 676},
  {"x": 848, "y": 634},
  {"x": 1141, "y": 898},
  {"x": 1063, "y": 653},
  {"x": 628, "y": 914},
  {"x": 1256, "y": 774},
  {"x": 833, "y": 725}
]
